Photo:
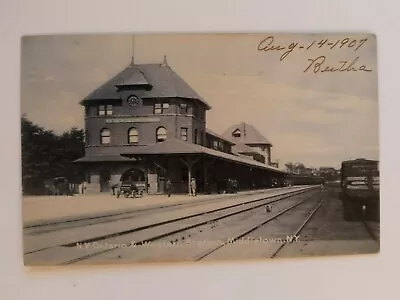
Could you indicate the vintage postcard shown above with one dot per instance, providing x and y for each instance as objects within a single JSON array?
[{"x": 198, "y": 147}]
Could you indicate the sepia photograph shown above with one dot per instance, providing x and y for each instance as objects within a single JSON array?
[{"x": 170, "y": 148}]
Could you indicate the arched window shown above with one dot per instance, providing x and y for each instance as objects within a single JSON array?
[
  {"x": 105, "y": 136},
  {"x": 161, "y": 134},
  {"x": 133, "y": 137}
]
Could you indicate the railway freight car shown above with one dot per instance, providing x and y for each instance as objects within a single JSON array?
[{"x": 360, "y": 189}]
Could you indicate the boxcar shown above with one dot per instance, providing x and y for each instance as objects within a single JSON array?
[{"x": 360, "y": 188}]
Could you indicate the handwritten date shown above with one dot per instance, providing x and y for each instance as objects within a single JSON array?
[{"x": 267, "y": 44}]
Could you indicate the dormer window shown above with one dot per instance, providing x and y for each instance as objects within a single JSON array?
[
  {"x": 236, "y": 133},
  {"x": 215, "y": 145},
  {"x": 220, "y": 146}
]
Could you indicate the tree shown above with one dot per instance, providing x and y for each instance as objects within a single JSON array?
[
  {"x": 290, "y": 167},
  {"x": 72, "y": 147},
  {"x": 297, "y": 168},
  {"x": 36, "y": 144},
  {"x": 46, "y": 155}
]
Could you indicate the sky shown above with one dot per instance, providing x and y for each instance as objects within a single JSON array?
[{"x": 318, "y": 119}]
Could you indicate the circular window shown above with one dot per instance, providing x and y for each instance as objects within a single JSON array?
[{"x": 133, "y": 101}]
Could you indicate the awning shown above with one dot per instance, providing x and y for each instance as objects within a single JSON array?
[
  {"x": 102, "y": 158},
  {"x": 176, "y": 146}
]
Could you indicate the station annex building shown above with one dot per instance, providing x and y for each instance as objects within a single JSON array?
[{"x": 146, "y": 123}]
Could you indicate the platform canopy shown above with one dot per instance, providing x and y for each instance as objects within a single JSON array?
[
  {"x": 102, "y": 158},
  {"x": 179, "y": 147}
]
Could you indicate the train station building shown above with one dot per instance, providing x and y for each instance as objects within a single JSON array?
[{"x": 147, "y": 124}]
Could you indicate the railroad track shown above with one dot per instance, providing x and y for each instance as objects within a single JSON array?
[
  {"x": 265, "y": 222},
  {"x": 372, "y": 232},
  {"x": 37, "y": 229},
  {"x": 119, "y": 226},
  {"x": 300, "y": 228},
  {"x": 156, "y": 231}
]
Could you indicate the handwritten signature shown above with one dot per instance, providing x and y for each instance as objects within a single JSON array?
[
  {"x": 318, "y": 65},
  {"x": 267, "y": 44}
]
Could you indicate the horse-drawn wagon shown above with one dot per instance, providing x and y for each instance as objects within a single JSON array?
[{"x": 131, "y": 189}]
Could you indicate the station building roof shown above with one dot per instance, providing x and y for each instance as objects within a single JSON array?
[
  {"x": 156, "y": 80},
  {"x": 243, "y": 148},
  {"x": 248, "y": 135},
  {"x": 210, "y": 132}
]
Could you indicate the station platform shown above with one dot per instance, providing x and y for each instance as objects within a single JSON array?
[{"x": 38, "y": 210}]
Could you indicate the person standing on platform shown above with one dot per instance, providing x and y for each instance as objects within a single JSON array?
[
  {"x": 113, "y": 186},
  {"x": 168, "y": 186},
  {"x": 208, "y": 187},
  {"x": 83, "y": 187},
  {"x": 193, "y": 187}
]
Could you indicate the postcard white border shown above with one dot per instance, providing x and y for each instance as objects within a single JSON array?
[{"x": 322, "y": 278}]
